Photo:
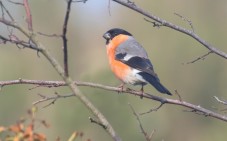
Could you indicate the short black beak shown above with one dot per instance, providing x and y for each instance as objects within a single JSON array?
[{"x": 106, "y": 36}]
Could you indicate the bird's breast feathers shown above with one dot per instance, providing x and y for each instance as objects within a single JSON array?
[{"x": 124, "y": 72}]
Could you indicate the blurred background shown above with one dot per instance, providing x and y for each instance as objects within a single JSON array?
[{"x": 168, "y": 50}]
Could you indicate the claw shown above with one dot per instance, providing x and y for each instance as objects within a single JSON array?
[
  {"x": 142, "y": 92},
  {"x": 122, "y": 87}
]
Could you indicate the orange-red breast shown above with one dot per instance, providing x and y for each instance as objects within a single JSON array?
[{"x": 129, "y": 61}]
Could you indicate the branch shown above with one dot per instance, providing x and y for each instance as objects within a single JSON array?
[
  {"x": 162, "y": 100},
  {"x": 3, "y": 8},
  {"x": 14, "y": 40},
  {"x": 187, "y": 20},
  {"x": 28, "y": 15},
  {"x": 172, "y": 26},
  {"x": 64, "y": 38},
  {"x": 220, "y": 101},
  {"x": 68, "y": 81},
  {"x": 78, "y": 93},
  {"x": 199, "y": 58},
  {"x": 97, "y": 122},
  {"x": 148, "y": 138},
  {"x": 53, "y": 98},
  {"x": 18, "y": 3}
]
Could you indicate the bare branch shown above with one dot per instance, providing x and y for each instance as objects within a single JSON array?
[
  {"x": 28, "y": 15},
  {"x": 187, "y": 20},
  {"x": 153, "y": 109},
  {"x": 16, "y": 26},
  {"x": 148, "y": 138},
  {"x": 173, "y": 26},
  {"x": 53, "y": 98},
  {"x": 49, "y": 35},
  {"x": 109, "y": 7},
  {"x": 4, "y": 9},
  {"x": 199, "y": 58},
  {"x": 220, "y": 101},
  {"x": 155, "y": 24},
  {"x": 64, "y": 38},
  {"x": 84, "y": 1},
  {"x": 179, "y": 96},
  {"x": 97, "y": 122},
  {"x": 68, "y": 81},
  {"x": 152, "y": 134},
  {"x": 17, "y": 3},
  {"x": 197, "y": 112},
  {"x": 17, "y": 42},
  {"x": 162, "y": 100}
]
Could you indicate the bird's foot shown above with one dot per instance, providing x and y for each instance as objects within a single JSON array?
[
  {"x": 142, "y": 93},
  {"x": 121, "y": 88}
]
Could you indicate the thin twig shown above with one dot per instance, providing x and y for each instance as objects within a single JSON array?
[
  {"x": 179, "y": 96},
  {"x": 199, "y": 58},
  {"x": 97, "y": 122},
  {"x": 152, "y": 134},
  {"x": 6, "y": 10},
  {"x": 28, "y": 15},
  {"x": 220, "y": 101},
  {"x": 49, "y": 35},
  {"x": 109, "y": 2},
  {"x": 17, "y": 42},
  {"x": 187, "y": 20},
  {"x": 155, "y": 24},
  {"x": 153, "y": 109},
  {"x": 17, "y": 3},
  {"x": 54, "y": 98},
  {"x": 140, "y": 124},
  {"x": 84, "y": 1}
]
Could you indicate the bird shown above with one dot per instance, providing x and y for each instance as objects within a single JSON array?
[{"x": 129, "y": 61}]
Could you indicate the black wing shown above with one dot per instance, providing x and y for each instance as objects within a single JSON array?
[
  {"x": 146, "y": 68},
  {"x": 136, "y": 62}
]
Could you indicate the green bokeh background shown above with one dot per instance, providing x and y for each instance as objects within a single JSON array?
[{"x": 197, "y": 83}]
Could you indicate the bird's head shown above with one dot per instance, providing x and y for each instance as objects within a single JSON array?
[{"x": 110, "y": 34}]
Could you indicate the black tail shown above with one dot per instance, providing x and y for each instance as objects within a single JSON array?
[{"x": 153, "y": 80}]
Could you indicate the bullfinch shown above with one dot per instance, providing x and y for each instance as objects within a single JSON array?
[{"x": 129, "y": 61}]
